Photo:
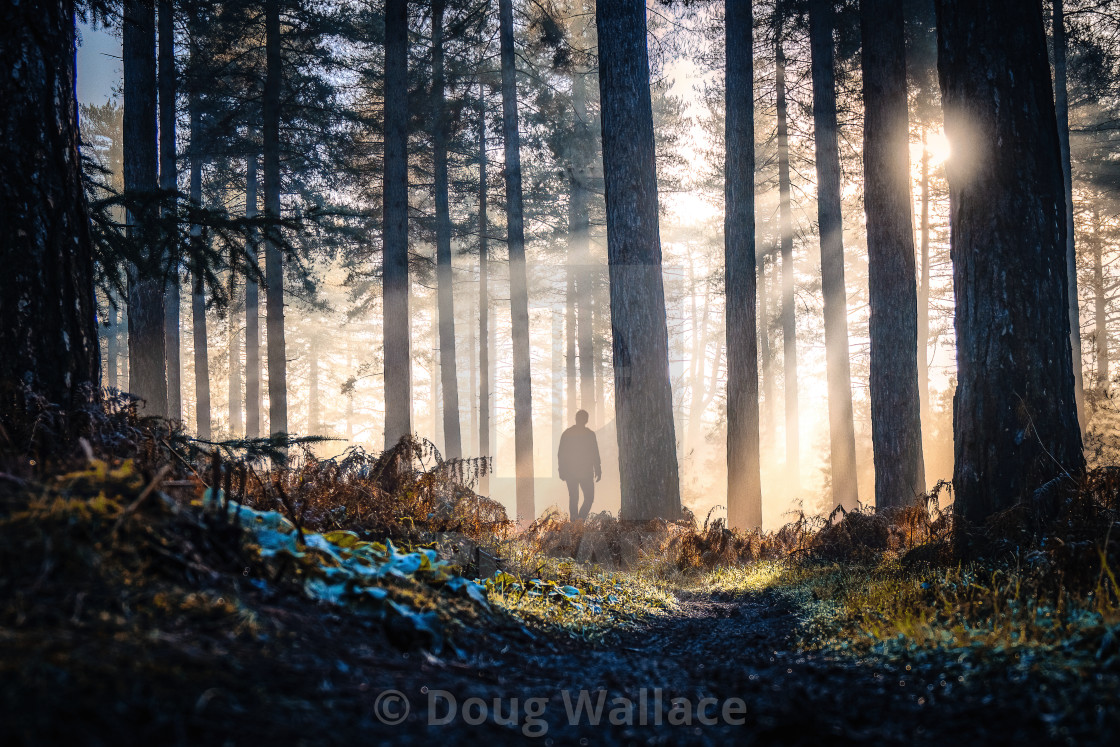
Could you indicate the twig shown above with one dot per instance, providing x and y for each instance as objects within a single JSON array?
[
  {"x": 135, "y": 505},
  {"x": 13, "y": 478}
]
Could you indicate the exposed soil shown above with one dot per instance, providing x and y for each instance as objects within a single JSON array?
[{"x": 316, "y": 678}]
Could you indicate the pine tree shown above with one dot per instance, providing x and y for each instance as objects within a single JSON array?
[
  {"x": 198, "y": 275},
  {"x": 519, "y": 284},
  {"x": 168, "y": 183},
  {"x": 1061, "y": 103},
  {"x": 398, "y": 386},
  {"x": 1015, "y": 417},
  {"x": 483, "y": 295},
  {"x": 842, "y": 436},
  {"x": 48, "y": 334},
  {"x": 274, "y": 259},
  {"x": 789, "y": 321},
  {"x": 895, "y": 408},
  {"x": 146, "y": 318},
  {"x": 744, "y": 480},
  {"x": 452, "y": 438},
  {"x": 643, "y": 398}
]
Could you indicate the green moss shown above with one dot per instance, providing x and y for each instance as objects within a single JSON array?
[{"x": 583, "y": 602}]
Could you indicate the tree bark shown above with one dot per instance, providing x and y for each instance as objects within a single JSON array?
[
  {"x": 1015, "y": 418},
  {"x": 274, "y": 259},
  {"x": 452, "y": 435},
  {"x": 483, "y": 298},
  {"x": 571, "y": 396},
  {"x": 123, "y": 344},
  {"x": 643, "y": 398},
  {"x": 1061, "y": 104},
  {"x": 112, "y": 334},
  {"x": 252, "y": 312},
  {"x": 557, "y": 386},
  {"x": 764, "y": 270},
  {"x": 579, "y": 232},
  {"x": 472, "y": 381},
  {"x": 896, "y": 428},
  {"x": 433, "y": 369},
  {"x": 168, "y": 182},
  {"x": 201, "y": 355},
  {"x": 49, "y": 328},
  {"x": 233, "y": 350},
  {"x": 698, "y": 321},
  {"x": 600, "y": 316},
  {"x": 789, "y": 320},
  {"x": 1100, "y": 309},
  {"x": 148, "y": 378},
  {"x": 923, "y": 292},
  {"x": 198, "y": 286},
  {"x": 396, "y": 332},
  {"x": 518, "y": 281},
  {"x": 744, "y": 481},
  {"x": 842, "y": 437}
]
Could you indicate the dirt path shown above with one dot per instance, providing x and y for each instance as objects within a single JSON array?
[
  {"x": 735, "y": 652},
  {"x": 336, "y": 679}
]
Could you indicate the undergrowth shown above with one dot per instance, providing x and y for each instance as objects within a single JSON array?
[{"x": 116, "y": 524}]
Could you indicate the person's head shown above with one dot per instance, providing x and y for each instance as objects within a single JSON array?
[{"x": 582, "y": 417}]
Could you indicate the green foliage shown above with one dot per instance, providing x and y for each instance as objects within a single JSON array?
[
  {"x": 582, "y": 602},
  {"x": 340, "y": 569}
]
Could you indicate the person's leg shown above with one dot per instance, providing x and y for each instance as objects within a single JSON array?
[
  {"x": 588, "y": 485},
  {"x": 573, "y": 499}
]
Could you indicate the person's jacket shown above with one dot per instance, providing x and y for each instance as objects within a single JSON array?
[{"x": 579, "y": 454}]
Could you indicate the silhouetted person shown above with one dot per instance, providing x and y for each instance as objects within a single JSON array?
[{"x": 579, "y": 463}]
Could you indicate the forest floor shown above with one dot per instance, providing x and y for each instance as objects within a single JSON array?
[
  {"x": 314, "y": 676},
  {"x": 129, "y": 616}
]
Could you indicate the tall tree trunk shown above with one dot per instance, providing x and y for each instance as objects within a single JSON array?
[
  {"x": 148, "y": 378},
  {"x": 48, "y": 330},
  {"x": 233, "y": 339},
  {"x": 896, "y": 427},
  {"x": 1100, "y": 327},
  {"x": 252, "y": 312},
  {"x": 472, "y": 378},
  {"x": 445, "y": 281},
  {"x": 842, "y": 435},
  {"x": 1062, "y": 112},
  {"x": 643, "y": 398},
  {"x": 744, "y": 481},
  {"x": 571, "y": 397},
  {"x": 398, "y": 373},
  {"x": 123, "y": 344},
  {"x": 201, "y": 354},
  {"x": 766, "y": 361},
  {"x": 434, "y": 380},
  {"x": 198, "y": 285},
  {"x": 483, "y": 297},
  {"x": 579, "y": 238},
  {"x": 518, "y": 281},
  {"x": 697, "y": 365},
  {"x": 557, "y": 386},
  {"x": 274, "y": 259},
  {"x": 923, "y": 292},
  {"x": 168, "y": 182},
  {"x": 600, "y": 310},
  {"x": 1015, "y": 417},
  {"x": 789, "y": 320},
  {"x": 112, "y": 334}
]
